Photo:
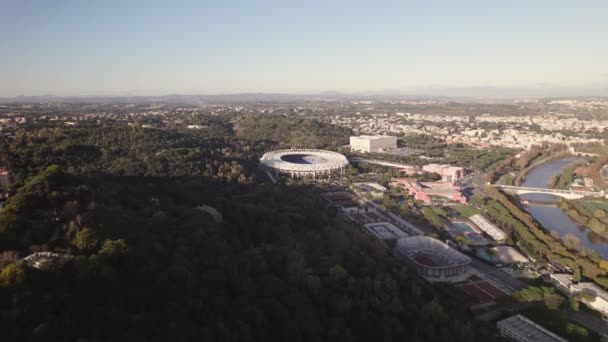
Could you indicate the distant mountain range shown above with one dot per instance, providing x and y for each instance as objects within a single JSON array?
[
  {"x": 194, "y": 99},
  {"x": 173, "y": 98},
  {"x": 472, "y": 94}
]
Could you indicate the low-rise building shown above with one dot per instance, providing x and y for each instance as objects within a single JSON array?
[
  {"x": 374, "y": 189},
  {"x": 425, "y": 190},
  {"x": 373, "y": 143},
  {"x": 522, "y": 329},
  {"x": 564, "y": 282},
  {"x": 448, "y": 173},
  {"x": 488, "y": 228}
]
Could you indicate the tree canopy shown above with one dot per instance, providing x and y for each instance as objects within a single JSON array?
[{"x": 147, "y": 265}]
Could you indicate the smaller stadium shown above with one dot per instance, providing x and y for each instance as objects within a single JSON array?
[
  {"x": 433, "y": 259},
  {"x": 304, "y": 162}
]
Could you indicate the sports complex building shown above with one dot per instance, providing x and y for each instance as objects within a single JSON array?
[
  {"x": 304, "y": 162},
  {"x": 521, "y": 329},
  {"x": 433, "y": 259}
]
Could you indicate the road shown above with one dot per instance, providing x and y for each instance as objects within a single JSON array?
[
  {"x": 497, "y": 275},
  {"x": 588, "y": 320}
]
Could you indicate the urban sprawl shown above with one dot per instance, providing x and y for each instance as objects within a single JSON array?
[{"x": 439, "y": 183}]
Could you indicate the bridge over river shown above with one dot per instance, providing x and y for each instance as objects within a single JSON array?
[{"x": 568, "y": 194}]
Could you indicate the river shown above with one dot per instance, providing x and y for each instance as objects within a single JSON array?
[{"x": 554, "y": 218}]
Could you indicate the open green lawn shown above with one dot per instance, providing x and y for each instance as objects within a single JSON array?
[{"x": 466, "y": 210}]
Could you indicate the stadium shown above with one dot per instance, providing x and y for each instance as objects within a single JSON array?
[
  {"x": 433, "y": 259},
  {"x": 304, "y": 162}
]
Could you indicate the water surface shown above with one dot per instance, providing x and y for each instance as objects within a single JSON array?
[{"x": 555, "y": 219}]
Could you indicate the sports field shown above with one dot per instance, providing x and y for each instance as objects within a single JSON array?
[
  {"x": 481, "y": 291},
  {"x": 425, "y": 260},
  {"x": 464, "y": 229},
  {"x": 341, "y": 198}
]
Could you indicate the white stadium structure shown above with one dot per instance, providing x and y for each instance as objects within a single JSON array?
[
  {"x": 304, "y": 162},
  {"x": 433, "y": 259}
]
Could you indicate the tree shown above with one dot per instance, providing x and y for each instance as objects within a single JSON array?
[
  {"x": 13, "y": 274},
  {"x": 574, "y": 304},
  {"x": 553, "y": 301},
  {"x": 477, "y": 200},
  {"x": 572, "y": 242},
  {"x": 86, "y": 240},
  {"x": 577, "y": 274},
  {"x": 536, "y": 294},
  {"x": 338, "y": 274},
  {"x": 113, "y": 248},
  {"x": 529, "y": 294},
  {"x": 508, "y": 179},
  {"x": 8, "y": 257}
]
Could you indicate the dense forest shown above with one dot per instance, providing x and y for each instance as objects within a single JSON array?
[
  {"x": 168, "y": 237},
  {"x": 127, "y": 151},
  {"x": 292, "y": 132}
]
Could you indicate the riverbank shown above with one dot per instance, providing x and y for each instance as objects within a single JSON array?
[
  {"x": 536, "y": 239},
  {"x": 574, "y": 208},
  {"x": 584, "y": 216},
  {"x": 524, "y": 173},
  {"x": 556, "y": 220},
  {"x": 563, "y": 180}
]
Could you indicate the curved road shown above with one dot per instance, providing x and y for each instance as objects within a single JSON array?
[{"x": 588, "y": 320}]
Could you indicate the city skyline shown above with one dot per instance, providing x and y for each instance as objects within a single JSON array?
[{"x": 70, "y": 48}]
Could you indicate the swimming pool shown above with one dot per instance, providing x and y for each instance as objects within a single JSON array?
[{"x": 462, "y": 227}]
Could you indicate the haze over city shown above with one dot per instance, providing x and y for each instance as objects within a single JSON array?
[{"x": 459, "y": 48}]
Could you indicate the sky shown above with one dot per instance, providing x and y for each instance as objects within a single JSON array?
[{"x": 129, "y": 47}]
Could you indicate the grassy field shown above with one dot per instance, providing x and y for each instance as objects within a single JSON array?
[{"x": 466, "y": 210}]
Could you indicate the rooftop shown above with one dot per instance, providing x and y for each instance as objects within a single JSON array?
[
  {"x": 529, "y": 330},
  {"x": 372, "y": 137},
  {"x": 592, "y": 289},
  {"x": 584, "y": 286},
  {"x": 370, "y": 186}
]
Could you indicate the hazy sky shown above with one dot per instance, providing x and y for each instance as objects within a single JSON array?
[{"x": 152, "y": 47}]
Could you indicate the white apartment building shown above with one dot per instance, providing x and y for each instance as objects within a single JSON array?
[{"x": 373, "y": 143}]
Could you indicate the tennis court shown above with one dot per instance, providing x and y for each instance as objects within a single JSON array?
[{"x": 481, "y": 291}]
